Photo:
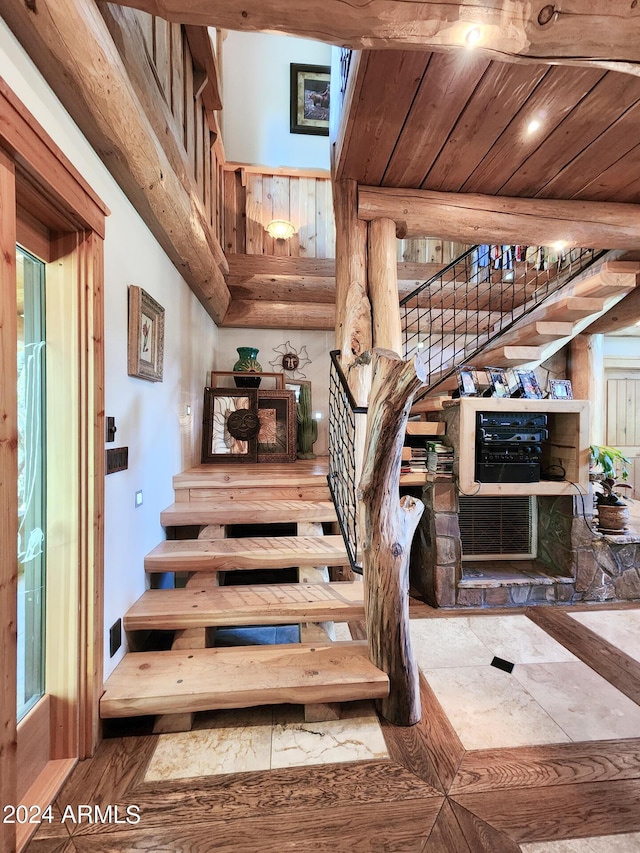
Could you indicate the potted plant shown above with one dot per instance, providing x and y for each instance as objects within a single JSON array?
[{"x": 613, "y": 513}]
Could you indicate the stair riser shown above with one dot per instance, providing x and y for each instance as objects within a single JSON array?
[{"x": 204, "y": 563}]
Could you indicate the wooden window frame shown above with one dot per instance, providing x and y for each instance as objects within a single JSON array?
[{"x": 36, "y": 176}]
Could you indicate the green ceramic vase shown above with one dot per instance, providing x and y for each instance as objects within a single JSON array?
[{"x": 247, "y": 363}]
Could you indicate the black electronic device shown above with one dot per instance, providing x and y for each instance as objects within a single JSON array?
[
  {"x": 511, "y": 419},
  {"x": 509, "y": 446},
  {"x": 511, "y": 433}
]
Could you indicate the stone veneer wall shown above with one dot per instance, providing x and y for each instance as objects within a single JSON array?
[{"x": 589, "y": 566}]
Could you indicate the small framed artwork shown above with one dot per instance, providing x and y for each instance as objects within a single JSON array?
[
  {"x": 528, "y": 384},
  {"x": 466, "y": 381},
  {"x": 230, "y": 425},
  {"x": 145, "y": 351},
  {"x": 309, "y": 96},
  {"x": 278, "y": 426},
  {"x": 498, "y": 384},
  {"x": 560, "y": 389}
]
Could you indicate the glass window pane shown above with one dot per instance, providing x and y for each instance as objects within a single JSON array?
[{"x": 31, "y": 479}]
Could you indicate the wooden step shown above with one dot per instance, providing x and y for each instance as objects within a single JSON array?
[
  {"x": 246, "y": 512},
  {"x": 541, "y": 332},
  {"x": 612, "y": 278},
  {"x": 429, "y": 404},
  {"x": 172, "y": 682},
  {"x": 300, "y": 480},
  {"x": 574, "y": 308},
  {"x": 223, "y": 555},
  {"x": 272, "y": 604},
  {"x": 426, "y": 428},
  {"x": 511, "y": 356}
]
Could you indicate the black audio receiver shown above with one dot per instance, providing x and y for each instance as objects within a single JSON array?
[
  {"x": 510, "y": 419},
  {"x": 511, "y": 433}
]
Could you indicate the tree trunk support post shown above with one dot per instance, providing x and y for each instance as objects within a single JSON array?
[
  {"x": 388, "y": 524},
  {"x": 586, "y": 371}
]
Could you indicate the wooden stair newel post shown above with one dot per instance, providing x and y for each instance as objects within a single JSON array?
[{"x": 388, "y": 524}]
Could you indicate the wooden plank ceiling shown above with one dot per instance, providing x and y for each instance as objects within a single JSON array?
[{"x": 458, "y": 122}]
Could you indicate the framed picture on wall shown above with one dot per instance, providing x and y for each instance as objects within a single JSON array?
[
  {"x": 145, "y": 350},
  {"x": 309, "y": 99}
]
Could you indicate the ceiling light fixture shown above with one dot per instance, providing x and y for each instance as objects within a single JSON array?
[
  {"x": 473, "y": 36},
  {"x": 533, "y": 125},
  {"x": 280, "y": 229},
  {"x": 559, "y": 245}
]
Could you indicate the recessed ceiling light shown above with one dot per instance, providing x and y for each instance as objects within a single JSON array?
[
  {"x": 559, "y": 245},
  {"x": 473, "y": 36},
  {"x": 533, "y": 125}
]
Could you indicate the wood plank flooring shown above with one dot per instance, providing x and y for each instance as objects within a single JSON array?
[{"x": 430, "y": 796}]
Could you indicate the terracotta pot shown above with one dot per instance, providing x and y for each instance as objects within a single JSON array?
[{"x": 612, "y": 517}]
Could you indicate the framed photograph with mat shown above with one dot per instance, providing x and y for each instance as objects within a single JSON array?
[
  {"x": 230, "y": 425},
  {"x": 278, "y": 426},
  {"x": 560, "y": 389},
  {"x": 498, "y": 384},
  {"x": 309, "y": 99},
  {"x": 528, "y": 384},
  {"x": 145, "y": 349},
  {"x": 466, "y": 381}
]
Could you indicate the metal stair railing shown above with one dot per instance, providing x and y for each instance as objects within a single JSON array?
[
  {"x": 454, "y": 315},
  {"x": 343, "y": 411},
  {"x": 477, "y": 298}
]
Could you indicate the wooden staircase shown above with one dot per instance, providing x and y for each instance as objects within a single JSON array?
[
  {"x": 195, "y": 675},
  {"x": 540, "y": 334}
]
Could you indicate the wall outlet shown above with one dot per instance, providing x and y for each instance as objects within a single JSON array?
[
  {"x": 139, "y": 498},
  {"x": 115, "y": 637}
]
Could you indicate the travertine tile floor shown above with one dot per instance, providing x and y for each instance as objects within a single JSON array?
[
  {"x": 549, "y": 697},
  {"x": 629, "y": 843}
]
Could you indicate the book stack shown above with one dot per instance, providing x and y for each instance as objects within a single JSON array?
[{"x": 439, "y": 459}]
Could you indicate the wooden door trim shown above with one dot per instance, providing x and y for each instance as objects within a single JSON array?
[
  {"x": 8, "y": 498},
  {"x": 33, "y": 168}
]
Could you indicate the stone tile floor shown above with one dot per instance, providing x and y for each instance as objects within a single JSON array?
[{"x": 549, "y": 697}]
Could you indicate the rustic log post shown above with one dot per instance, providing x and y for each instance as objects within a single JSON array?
[
  {"x": 388, "y": 524},
  {"x": 353, "y": 309},
  {"x": 383, "y": 285},
  {"x": 586, "y": 372}
]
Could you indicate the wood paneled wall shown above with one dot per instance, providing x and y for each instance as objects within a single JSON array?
[
  {"x": 254, "y": 198},
  {"x": 181, "y": 61},
  {"x": 427, "y": 251}
]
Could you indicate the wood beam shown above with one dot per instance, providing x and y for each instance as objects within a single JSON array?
[
  {"x": 69, "y": 42},
  {"x": 509, "y": 29},
  {"x": 473, "y": 218},
  {"x": 246, "y": 267},
  {"x": 258, "y": 314}
]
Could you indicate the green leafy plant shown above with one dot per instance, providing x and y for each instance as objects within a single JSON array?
[{"x": 611, "y": 461}]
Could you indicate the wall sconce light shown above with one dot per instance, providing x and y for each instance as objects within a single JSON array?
[{"x": 280, "y": 229}]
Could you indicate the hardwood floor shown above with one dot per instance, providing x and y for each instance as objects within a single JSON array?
[{"x": 430, "y": 796}]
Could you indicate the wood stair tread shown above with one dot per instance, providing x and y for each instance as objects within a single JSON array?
[
  {"x": 246, "y": 512},
  {"x": 271, "y": 604},
  {"x": 253, "y": 553},
  {"x": 254, "y": 475},
  {"x": 170, "y": 682}
]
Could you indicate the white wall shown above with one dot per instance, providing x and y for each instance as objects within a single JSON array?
[
  {"x": 151, "y": 417},
  {"x": 318, "y": 344},
  {"x": 621, "y": 346},
  {"x": 255, "y": 77}
]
